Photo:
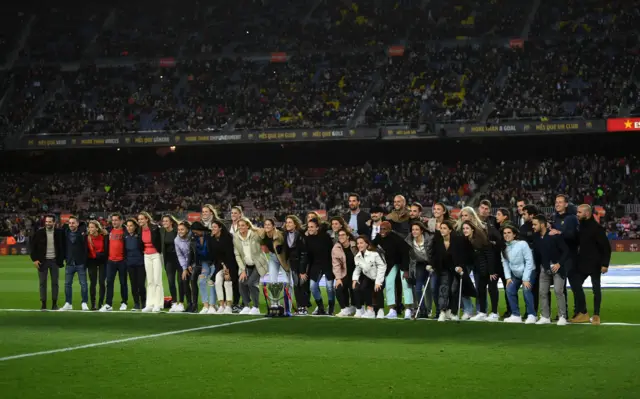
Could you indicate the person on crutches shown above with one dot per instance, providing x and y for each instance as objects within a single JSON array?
[{"x": 420, "y": 241}]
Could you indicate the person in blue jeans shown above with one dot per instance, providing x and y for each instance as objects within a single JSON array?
[
  {"x": 75, "y": 249},
  {"x": 519, "y": 270},
  {"x": 204, "y": 261}
]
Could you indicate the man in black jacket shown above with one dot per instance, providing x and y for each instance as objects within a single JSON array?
[
  {"x": 75, "y": 251},
  {"x": 527, "y": 234},
  {"x": 47, "y": 254},
  {"x": 356, "y": 218},
  {"x": 553, "y": 256},
  {"x": 594, "y": 255}
]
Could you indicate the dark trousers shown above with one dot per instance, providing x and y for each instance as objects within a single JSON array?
[
  {"x": 174, "y": 273},
  {"x": 577, "y": 280},
  {"x": 506, "y": 297},
  {"x": 347, "y": 296},
  {"x": 366, "y": 291},
  {"x": 97, "y": 276},
  {"x": 454, "y": 293},
  {"x": 236, "y": 291},
  {"x": 193, "y": 285},
  {"x": 119, "y": 268},
  {"x": 398, "y": 291},
  {"x": 484, "y": 282},
  {"x": 49, "y": 267},
  {"x": 302, "y": 291},
  {"x": 249, "y": 287},
  {"x": 137, "y": 277},
  {"x": 444, "y": 290}
]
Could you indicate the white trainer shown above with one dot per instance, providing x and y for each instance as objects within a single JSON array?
[
  {"x": 343, "y": 313},
  {"x": 392, "y": 314},
  {"x": 544, "y": 320},
  {"x": 221, "y": 309},
  {"x": 407, "y": 314},
  {"x": 105, "y": 308},
  {"x": 85, "y": 306},
  {"x": 123, "y": 307},
  {"x": 442, "y": 317},
  {"x": 67, "y": 306},
  {"x": 212, "y": 310},
  {"x": 493, "y": 317},
  {"x": 255, "y": 311},
  {"x": 466, "y": 316},
  {"x": 369, "y": 314},
  {"x": 228, "y": 310},
  {"x": 180, "y": 308},
  {"x": 513, "y": 319},
  {"x": 147, "y": 309},
  {"x": 479, "y": 317},
  {"x": 562, "y": 321},
  {"x": 245, "y": 311},
  {"x": 359, "y": 313},
  {"x": 454, "y": 318},
  {"x": 203, "y": 311},
  {"x": 531, "y": 319},
  {"x": 156, "y": 309},
  {"x": 380, "y": 314},
  {"x": 173, "y": 307}
]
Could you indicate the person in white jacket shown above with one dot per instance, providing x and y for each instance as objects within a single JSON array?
[
  {"x": 519, "y": 270},
  {"x": 368, "y": 276}
]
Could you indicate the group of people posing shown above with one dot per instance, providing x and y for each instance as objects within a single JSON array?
[{"x": 411, "y": 265}]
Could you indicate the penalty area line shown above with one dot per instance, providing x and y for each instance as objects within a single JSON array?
[{"x": 131, "y": 339}]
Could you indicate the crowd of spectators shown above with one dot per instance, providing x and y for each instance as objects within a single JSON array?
[{"x": 585, "y": 179}]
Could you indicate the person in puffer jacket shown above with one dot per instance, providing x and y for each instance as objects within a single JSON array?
[{"x": 519, "y": 270}]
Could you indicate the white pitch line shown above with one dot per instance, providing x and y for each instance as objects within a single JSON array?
[{"x": 119, "y": 341}]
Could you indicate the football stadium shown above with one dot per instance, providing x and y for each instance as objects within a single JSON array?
[{"x": 334, "y": 198}]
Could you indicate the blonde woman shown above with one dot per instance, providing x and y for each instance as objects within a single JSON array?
[
  {"x": 97, "y": 244},
  {"x": 208, "y": 215},
  {"x": 252, "y": 265},
  {"x": 272, "y": 242},
  {"x": 152, "y": 248},
  {"x": 236, "y": 215}
]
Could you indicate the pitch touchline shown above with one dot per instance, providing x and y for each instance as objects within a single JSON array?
[
  {"x": 238, "y": 322},
  {"x": 119, "y": 341}
]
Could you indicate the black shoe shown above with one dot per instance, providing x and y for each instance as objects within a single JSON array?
[
  {"x": 321, "y": 310},
  {"x": 44, "y": 305},
  {"x": 54, "y": 306},
  {"x": 136, "y": 306},
  {"x": 332, "y": 306},
  {"x": 506, "y": 315},
  {"x": 236, "y": 309}
]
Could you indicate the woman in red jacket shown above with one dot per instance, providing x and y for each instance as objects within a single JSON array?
[{"x": 97, "y": 242}]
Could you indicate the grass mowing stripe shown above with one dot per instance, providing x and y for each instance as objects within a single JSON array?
[{"x": 119, "y": 341}]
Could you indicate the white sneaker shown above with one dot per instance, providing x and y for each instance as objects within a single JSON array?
[
  {"x": 180, "y": 308},
  {"x": 380, "y": 314},
  {"x": 466, "y": 316},
  {"x": 315, "y": 312},
  {"x": 513, "y": 319},
  {"x": 85, "y": 306},
  {"x": 67, "y": 306},
  {"x": 359, "y": 313},
  {"x": 343, "y": 313},
  {"x": 212, "y": 310},
  {"x": 203, "y": 311},
  {"x": 531, "y": 319},
  {"x": 351, "y": 310},
  {"x": 105, "y": 308},
  {"x": 254, "y": 311},
  {"x": 407, "y": 314},
  {"x": 123, "y": 307},
  {"x": 392, "y": 314},
  {"x": 443, "y": 317},
  {"x": 245, "y": 311},
  {"x": 147, "y": 309},
  {"x": 454, "y": 317},
  {"x": 228, "y": 310},
  {"x": 493, "y": 317},
  {"x": 221, "y": 309},
  {"x": 562, "y": 321},
  {"x": 448, "y": 315},
  {"x": 544, "y": 320},
  {"x": 369, "y": 314},
  {"x": 156, "y": 309},
  {"x": 479, "y": 317}
]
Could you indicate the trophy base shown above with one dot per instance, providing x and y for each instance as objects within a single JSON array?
[{"x": 277, "y": 311}]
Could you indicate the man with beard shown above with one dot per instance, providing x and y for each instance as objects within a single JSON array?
[
  {"x": 527, "y": 234},
  {"x": 565, "y": 224},
  {"x": 415, "y": 213},
  {"x": 521, "y": 203},
  {"x": 594, "y": 255},
  {"x": 356, "y": 218},
  {"x": 47, "y": 254},
  {"x": 377, "y": 213},
  {"x": 399, "y": 217}
]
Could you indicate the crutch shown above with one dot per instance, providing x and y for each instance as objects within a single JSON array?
[
  {"x": 459, "y": 298},
  {"x": 424, "y": 291}
]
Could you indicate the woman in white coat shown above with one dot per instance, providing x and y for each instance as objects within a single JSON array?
[{"x": 368, "y": 276}]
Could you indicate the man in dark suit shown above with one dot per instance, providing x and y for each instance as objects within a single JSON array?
[
  {"x": 594, "y": 255},
  {"x": 47, "y": 254},
  {"x": 356, "y": 218}
]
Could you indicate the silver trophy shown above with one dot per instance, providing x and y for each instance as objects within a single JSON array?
[{"x": 276, "y": 297}]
